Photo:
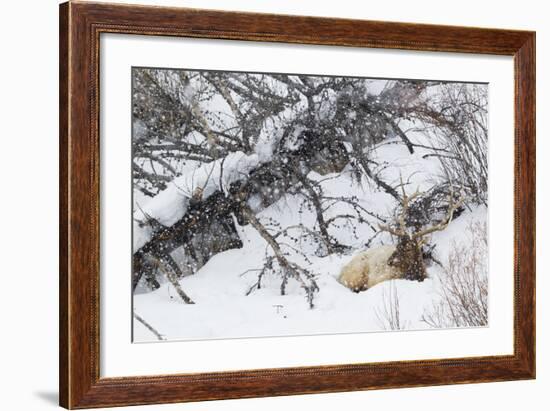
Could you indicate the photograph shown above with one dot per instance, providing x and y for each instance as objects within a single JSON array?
[{"x": 275, "y": 204}]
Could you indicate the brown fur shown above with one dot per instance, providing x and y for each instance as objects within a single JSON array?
[{"x": 408, "y": 259}]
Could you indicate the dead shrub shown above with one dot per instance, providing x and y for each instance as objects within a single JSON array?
[{"x": 464, "y": 284}]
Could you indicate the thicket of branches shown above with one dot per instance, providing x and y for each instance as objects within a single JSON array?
[
  {"x": 464, "y": 284},
  {"x": 285, "y": 127}
]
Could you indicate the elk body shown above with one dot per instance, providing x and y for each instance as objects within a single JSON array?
[{"x": 403, "y": 260}]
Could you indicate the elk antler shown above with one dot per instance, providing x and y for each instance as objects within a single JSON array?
[
  {"x": 453, "y": 205},
  {"x": 405, "y": 203}
]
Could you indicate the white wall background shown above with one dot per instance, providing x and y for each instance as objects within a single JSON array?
[{"x": 29, "y": 190}]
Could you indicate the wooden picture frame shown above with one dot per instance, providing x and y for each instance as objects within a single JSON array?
[{"x": 80, "y": 27}]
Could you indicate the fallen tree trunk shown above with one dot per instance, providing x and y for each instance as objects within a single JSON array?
[
  {"x": 199, "y": 217},
  {"x": 287, "y": 169}
]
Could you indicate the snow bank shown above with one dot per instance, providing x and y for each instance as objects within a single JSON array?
[{"x": 223, "y": 310}]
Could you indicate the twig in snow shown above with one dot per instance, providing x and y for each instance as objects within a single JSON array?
[{"x": 159, "y": 336}]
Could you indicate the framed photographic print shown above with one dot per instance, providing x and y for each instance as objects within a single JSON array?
[{"x": 256, "y": 205}]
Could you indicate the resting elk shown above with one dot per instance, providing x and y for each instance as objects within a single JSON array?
[{"x": 401, "y": 261}]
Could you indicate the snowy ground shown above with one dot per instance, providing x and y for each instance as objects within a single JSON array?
[{"x": 223, "y": 310}]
